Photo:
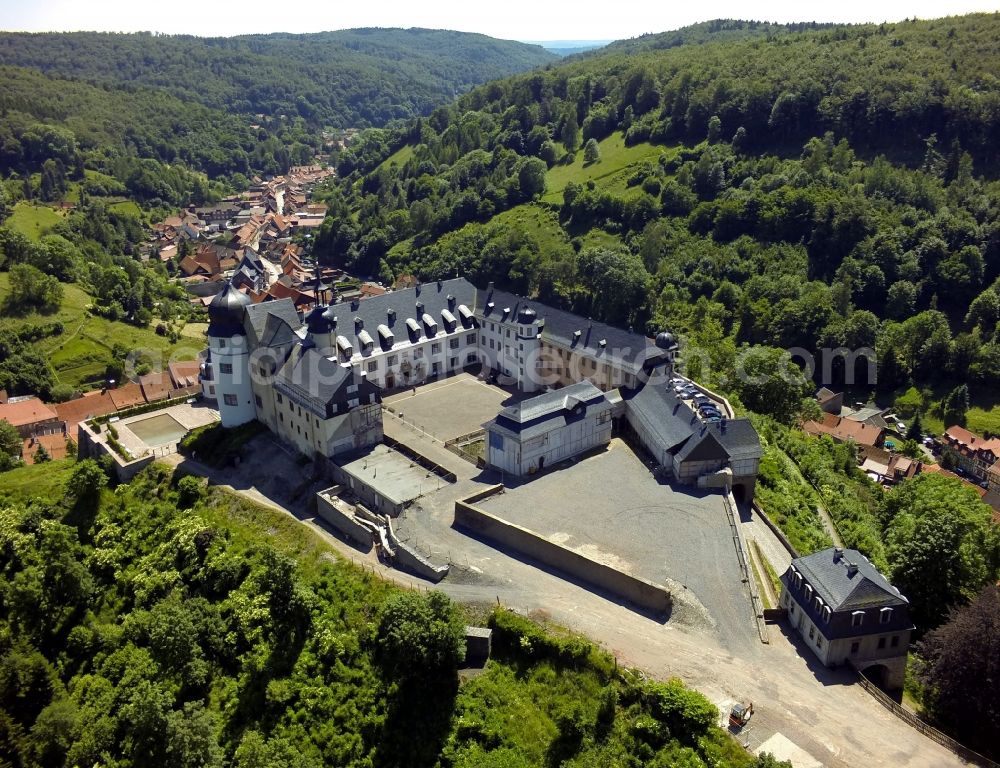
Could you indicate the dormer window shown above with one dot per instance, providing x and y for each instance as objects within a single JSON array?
[
  {"x": 857, "y": 618},
  {"x": 826, "y": 613},
  {"x": 885, "y": 616}
]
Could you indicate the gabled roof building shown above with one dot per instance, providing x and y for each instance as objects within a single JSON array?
[
  {"x": 337, "y": 360},
  {"x": 848, "y": 613},
  {"x": 523, "y": 439}
]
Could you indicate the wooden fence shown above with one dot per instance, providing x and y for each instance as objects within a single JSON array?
[{"x": 929, "y": 731}]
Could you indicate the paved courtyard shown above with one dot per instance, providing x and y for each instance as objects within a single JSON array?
[
  {"x": 449, "y": 408},
  {"x": 611, "y": 508}
]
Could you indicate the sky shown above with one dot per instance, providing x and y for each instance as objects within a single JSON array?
[{"x": 510, "y": 19}]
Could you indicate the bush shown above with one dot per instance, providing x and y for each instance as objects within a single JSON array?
[{"x": 188, "y": 491}]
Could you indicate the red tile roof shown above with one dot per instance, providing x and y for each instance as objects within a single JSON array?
[
  {"x": 83, "y": 408},
  {"x": 127, "y": 396},
  {"x": 55, "y": 445},
  {"x": 26, "y": 412},
  {"x": 184, "y": 373},
  {"x": 845, "y": 429},
  {"x": 155, "y": 386}
]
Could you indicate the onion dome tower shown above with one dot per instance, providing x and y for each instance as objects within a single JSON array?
[{"x": 229, "y": 356}]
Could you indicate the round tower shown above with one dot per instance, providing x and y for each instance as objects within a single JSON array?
[
  {"x": 528, "y": 350},
  {"x": 229, "y": 356},
  {"x": 321, "y": 322}
]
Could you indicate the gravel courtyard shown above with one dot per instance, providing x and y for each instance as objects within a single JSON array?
[
  {"x": 610, "y": 507},
  {"x": 451, "y": 407}
]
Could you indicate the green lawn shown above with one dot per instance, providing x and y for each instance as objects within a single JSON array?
[
  {"x": 982, "y": 417},
  {"x": 615, "y": 159},
  {"x": 127, "y": 207},
  {"x": 42, "y": 482},
  {"x": 398, "y": 158},
  {"x": 82, "y": 352},
  {"x": 32, "y": 220},
  {"x": 536, "y": 220}
]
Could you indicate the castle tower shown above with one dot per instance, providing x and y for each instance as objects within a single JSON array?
[
  {"x": 229, "y": 357},
  {"x": 528, "y": 349}
]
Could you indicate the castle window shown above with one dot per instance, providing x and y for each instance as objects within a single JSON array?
[
  {"x": 895, "y": 641},
  {"x": 260, "y": 403},
  {"x": 885, "y": 616},
  {"x": 857, "y": 618},
  {"x": 225, "y": 368},
  {"x": 229, "y": 399},
  {"x": 881, "y": 643},
  {"x": 471, "y": 338},
  {"x": 372, "y": 366}
]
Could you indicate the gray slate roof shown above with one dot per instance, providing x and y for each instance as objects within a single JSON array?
[
  {"x": 664, "y": 413},
  {"x": 867, "y": 588},
  {"x": 277, "y": 332},
  {"x": 353, "y": 317},
  {"x": 548, "y": 411},
  {"x": 320, "y": 384},
  {"x": 255, "y": 317},
  {"x": 560, "y": 326},
  {"x": 703, "y": 447},
  {"x": 552, "y": 402},
  {"x": 678, "y": 429}
]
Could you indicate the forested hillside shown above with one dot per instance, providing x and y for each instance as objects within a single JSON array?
[
  {"x": 715, "y": 31},
  {"x": 811, "y": 189},
  {"x": 355, "y": 77},
  {"x": 166, "y": 625}
]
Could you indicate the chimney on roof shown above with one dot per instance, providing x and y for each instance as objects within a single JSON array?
[
  {"x": 420, "y": 308},
  {"x": 837, "y": 554},
  {"x": 852, "y": 568},
  {"x": 489, "y": 287}
]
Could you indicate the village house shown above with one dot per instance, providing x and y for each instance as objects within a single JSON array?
[
  {"x": 845, "y": 430},
  {"x": 30, "y": 416},
  {"x": 973, "y": 454}
]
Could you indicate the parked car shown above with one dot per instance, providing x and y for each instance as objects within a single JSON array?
[{"x": 900, "y": 426}]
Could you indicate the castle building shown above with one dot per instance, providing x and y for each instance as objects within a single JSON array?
[{"x": 316, "y": 382}]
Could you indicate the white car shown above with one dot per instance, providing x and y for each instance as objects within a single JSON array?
[{"x": 900, "y": 426}]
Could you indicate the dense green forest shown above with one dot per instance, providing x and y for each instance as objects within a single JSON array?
[
  {"x": 348, "y": 78},
  {"x": 813, "y": 189},
  {"x": 155, "y": 148},
  {"x": 714, "y": 31},
  {"x": 166, "y": 624}
]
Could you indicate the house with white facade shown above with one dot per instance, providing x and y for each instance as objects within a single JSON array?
[
  {"x": 525, "y": 438},
  {"x": 848, "y": 613}
]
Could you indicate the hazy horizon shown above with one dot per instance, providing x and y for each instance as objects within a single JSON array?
[{"x": 525, "y": 21}]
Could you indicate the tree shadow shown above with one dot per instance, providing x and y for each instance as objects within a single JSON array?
[{"x": 418, "y": 721}]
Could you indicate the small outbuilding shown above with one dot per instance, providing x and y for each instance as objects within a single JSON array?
[{"x": 524, "y": 439}]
